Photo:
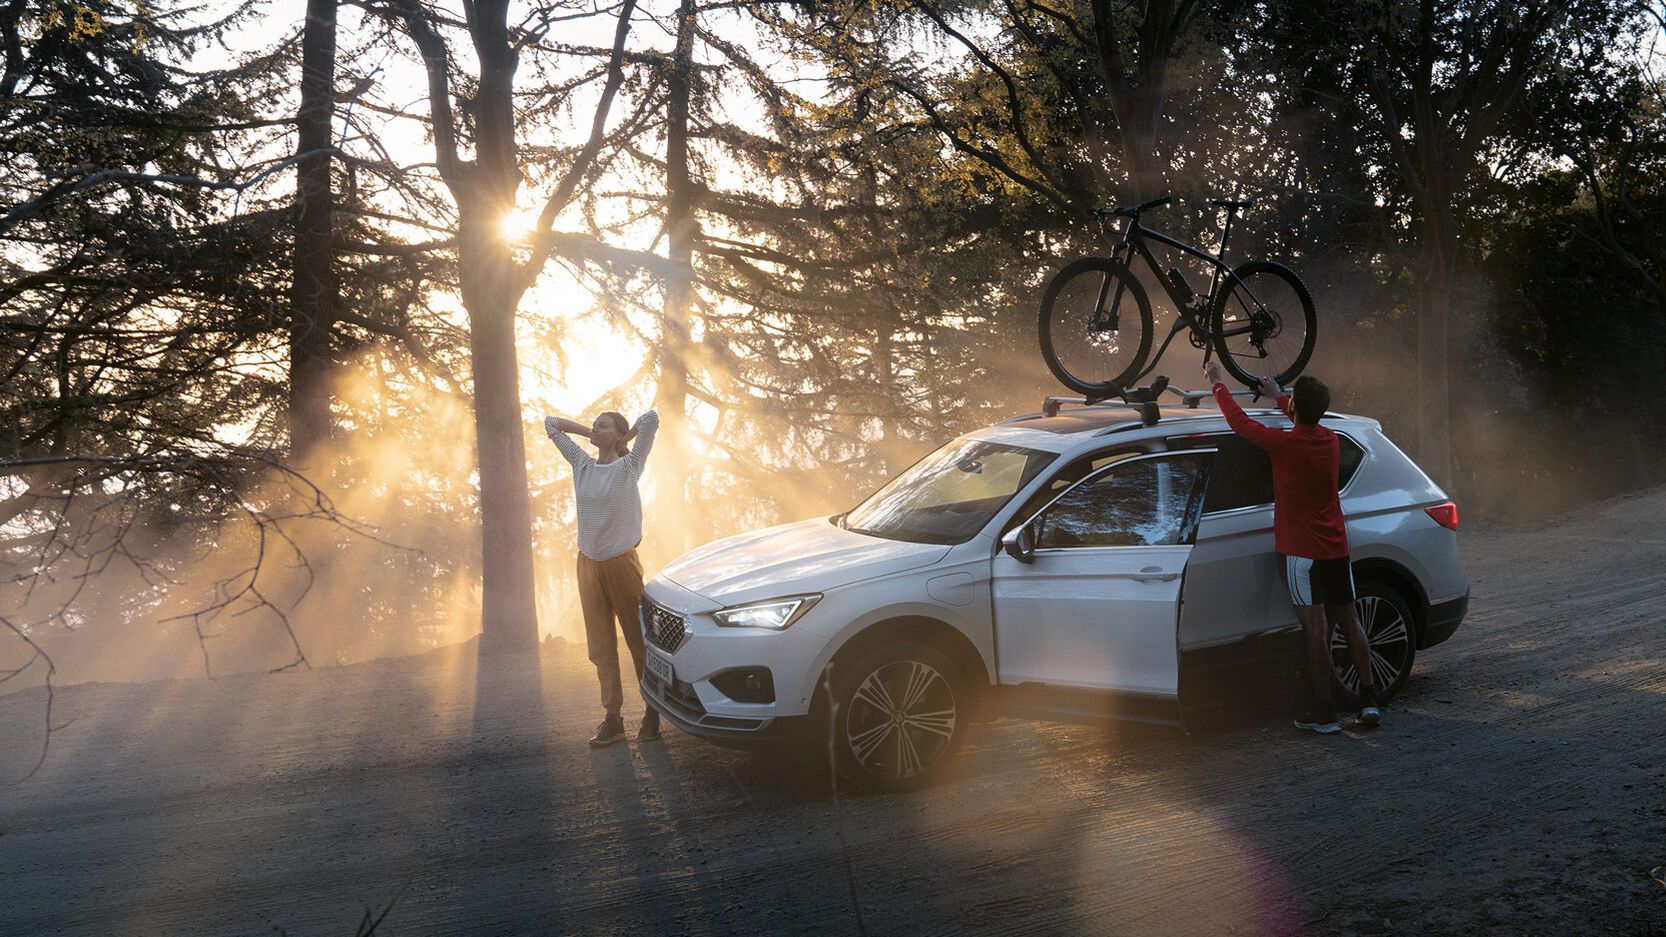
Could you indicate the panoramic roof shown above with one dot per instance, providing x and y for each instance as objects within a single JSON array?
[{"x": 1079, "y": 419}]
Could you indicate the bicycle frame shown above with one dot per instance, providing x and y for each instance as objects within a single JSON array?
[{"x": 1133, "y": 242}]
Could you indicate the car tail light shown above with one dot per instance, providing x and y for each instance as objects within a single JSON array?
[{"x": 1446, "y": 515}]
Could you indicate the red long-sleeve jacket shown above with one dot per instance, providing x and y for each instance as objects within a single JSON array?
[{"x": 1307, "y": 514}]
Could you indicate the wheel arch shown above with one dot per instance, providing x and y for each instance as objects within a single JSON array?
[{"x": 936, "y": 632}]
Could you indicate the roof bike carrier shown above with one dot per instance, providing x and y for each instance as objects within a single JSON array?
[{"x": 1144, "y": 399}]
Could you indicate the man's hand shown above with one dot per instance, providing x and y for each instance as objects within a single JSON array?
[
  {"x": 1268, "y": 389},
  {"x": 1212, "y": 373},
  {"x": 551, "y": 426}
]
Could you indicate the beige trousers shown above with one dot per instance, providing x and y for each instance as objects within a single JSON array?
[{"x": 611, "y": 590}]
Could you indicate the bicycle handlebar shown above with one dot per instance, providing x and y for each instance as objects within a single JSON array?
[{"x": 1124, "y": 211}]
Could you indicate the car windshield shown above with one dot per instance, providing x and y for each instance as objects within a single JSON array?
[{"x": 950, "y": 495}]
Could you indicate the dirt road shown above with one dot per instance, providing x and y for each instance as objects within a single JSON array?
[{"x": 1518, "y": 787}]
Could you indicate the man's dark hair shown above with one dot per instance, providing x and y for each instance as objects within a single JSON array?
[
  {"x": 623, "y": 426},
  {"x": 1311, "y": 399}
]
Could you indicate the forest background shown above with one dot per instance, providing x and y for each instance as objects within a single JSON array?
[{"x": 286, "y": 288}]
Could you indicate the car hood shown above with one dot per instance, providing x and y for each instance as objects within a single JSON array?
[{"x": 806, "y": 556}]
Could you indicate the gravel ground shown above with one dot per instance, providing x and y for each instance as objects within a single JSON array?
[{"x": 1517, "y": 787}]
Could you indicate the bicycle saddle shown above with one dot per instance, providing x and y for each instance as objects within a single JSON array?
[{"x": 1232, "y": 203}]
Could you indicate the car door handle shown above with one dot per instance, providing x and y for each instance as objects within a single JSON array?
[{"x": 1155, "y": 573}]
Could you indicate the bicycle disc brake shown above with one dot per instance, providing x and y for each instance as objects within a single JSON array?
[
  {"x": 1263, "y": 325},
  {"x": 1104, "y": 320}
]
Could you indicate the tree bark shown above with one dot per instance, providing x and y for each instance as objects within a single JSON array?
[
  {"x": 314, "y": 292},
  {"x": 509, "y": 617},
  {"x": 1434, "y": 317},
  {"x": 1137, "y": 85}
]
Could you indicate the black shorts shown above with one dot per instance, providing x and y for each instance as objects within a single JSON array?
[{"x": 1319, "y": 582}]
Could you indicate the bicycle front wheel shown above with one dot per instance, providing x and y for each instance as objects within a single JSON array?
[
  {"x": 1263, "y": 323},
  {"x": 1095, "y": 326}
]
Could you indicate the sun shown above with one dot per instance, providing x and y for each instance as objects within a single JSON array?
[{"x": 517, "y": 223}]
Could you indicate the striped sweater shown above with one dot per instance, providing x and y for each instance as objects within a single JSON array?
[{"x": 609, "y": 504}]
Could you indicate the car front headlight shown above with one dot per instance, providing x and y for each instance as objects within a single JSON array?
[{"x": 774, "y": 614}]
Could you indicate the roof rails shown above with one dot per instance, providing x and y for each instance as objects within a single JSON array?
[{"x": 1142, "y": 399}]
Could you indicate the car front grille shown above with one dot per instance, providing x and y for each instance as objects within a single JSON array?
[{"x": 662, "y": 627}]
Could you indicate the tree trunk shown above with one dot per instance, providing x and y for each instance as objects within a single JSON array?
[
  {"x": 492, "y": 284},
  {"x": 313, "y": 296},
  {"x": 509, "y": 617},
  {"x": 1138, "y": 115},
  {"x": 1436, "y": 276},
  {"x": 680, "y": 474},
  {"x": 1136, "y": 76}
]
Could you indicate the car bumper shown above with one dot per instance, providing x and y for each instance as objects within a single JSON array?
[
  {"x": 681, "y": 677},
  {"x": 1443, "y": 620},
  {"x": 682, "y": 708}
]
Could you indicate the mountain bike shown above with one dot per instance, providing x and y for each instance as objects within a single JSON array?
[{"x": 1096, "y": 325}]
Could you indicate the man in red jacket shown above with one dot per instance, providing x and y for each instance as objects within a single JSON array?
[{"x": 1308, "y": 528}]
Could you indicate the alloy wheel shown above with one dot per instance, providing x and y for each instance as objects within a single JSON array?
[
  {"x": 900, "y": 719},
  {"x": 1389, "y": 635}
]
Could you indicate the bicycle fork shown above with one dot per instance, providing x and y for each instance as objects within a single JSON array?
[{"x": 1108, "y": 320}]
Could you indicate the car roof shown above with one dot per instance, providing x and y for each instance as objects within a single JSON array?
[{"x": 1072, "y": 428}]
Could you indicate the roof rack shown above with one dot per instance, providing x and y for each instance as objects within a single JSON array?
[{"x": 1143, "y": 399}]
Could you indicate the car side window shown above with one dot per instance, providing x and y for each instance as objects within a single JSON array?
[
  {"x": 1352, "y": 456},
  {"x": 1067, "y": 476},
  {"x": 1149, "y": 502},
  {"x": 1244, "y": 475}
]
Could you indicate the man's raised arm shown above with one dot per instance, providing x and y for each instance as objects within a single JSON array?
[{"x": 1261, "y": 435}]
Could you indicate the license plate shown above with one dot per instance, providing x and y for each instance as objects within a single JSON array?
[{"x": 662, "y": 668}]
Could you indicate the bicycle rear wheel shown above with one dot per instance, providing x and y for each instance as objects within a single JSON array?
[
  {"x": 1263, "y": 323},
  {"x": 1095, "y": 326}
]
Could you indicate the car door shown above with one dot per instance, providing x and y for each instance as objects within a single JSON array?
[
  {"x": 1236, "y": 586},
  {"x": 1237, "y": 583},
  {"x": 1094, "y": 606}
]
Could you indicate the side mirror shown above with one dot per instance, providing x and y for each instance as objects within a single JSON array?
[{"x": 1020, "y": 544}]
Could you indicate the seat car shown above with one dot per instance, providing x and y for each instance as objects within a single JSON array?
[{"x": 1096, "y": 562}]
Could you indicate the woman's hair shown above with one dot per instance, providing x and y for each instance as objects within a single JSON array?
[{"x": 622, "y": 426}]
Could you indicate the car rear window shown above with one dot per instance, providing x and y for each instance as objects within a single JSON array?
[{"x": 1243, "y": 475}]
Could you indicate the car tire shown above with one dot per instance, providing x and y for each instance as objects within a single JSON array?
[
  {"x": 1387, "y": 619},
  {"x": 898, "y": 714}
]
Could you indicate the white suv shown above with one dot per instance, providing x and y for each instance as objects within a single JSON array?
[{"x": 1103, "y": 562}]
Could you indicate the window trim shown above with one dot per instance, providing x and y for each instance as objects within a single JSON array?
[{"x": 1100, "y": 471}]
